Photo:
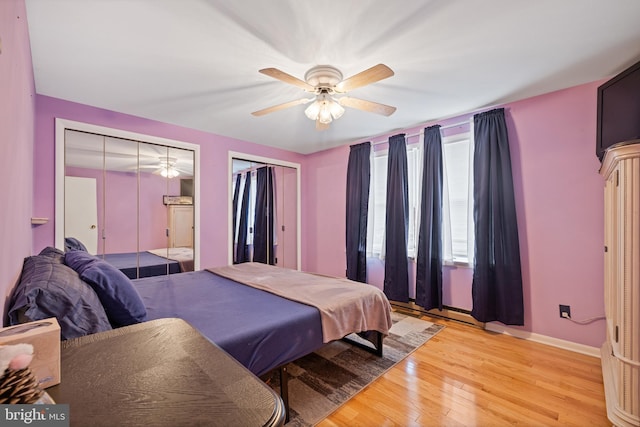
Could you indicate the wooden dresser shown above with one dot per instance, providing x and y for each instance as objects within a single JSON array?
[{"x": 621, "y": 350}]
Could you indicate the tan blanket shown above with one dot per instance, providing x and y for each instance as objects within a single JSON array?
[
  {"x": 184, "y": 256},
  {"x": 345, "y": 306}
]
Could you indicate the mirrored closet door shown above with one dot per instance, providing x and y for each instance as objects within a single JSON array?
[
  {"x": 265, "y": 208},
  {"x": 130, "y": 202}
]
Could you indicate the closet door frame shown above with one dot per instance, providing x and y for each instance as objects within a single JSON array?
[
  {"x": 62, "y": 125},
  {"x": 271, "y": 162}
]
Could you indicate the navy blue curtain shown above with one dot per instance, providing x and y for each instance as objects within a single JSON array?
[
  {"x": 242, "y": 249},
  {"x": 396, "y": 268},
  {"x": 236, "y": 193},
  {"x": 263, "y": 250},
  {"x": 497, "y": 278},
  {"x": 429, "y": 258},
  {"x": 358, "y": 182}
]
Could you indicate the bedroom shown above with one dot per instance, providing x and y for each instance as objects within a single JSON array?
[{"x": 560, "y": 208}]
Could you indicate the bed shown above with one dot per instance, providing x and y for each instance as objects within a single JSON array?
[
  {"x": 250, "y": 311},
  {"x": 263, "y": 328},
  {"x": 152, "y": 263},
  {"x": 260, "y": 330}
]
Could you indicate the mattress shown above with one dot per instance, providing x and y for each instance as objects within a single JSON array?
[{"x": 261, "y": 330}]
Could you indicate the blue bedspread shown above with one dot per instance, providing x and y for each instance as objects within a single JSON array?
[
  {"x": 150, "y": 264},
  {"x": 260, "y": 330}
]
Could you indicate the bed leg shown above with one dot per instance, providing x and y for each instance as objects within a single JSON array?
[
  {"x": 374, "y": 348},
  {"x": 379, "y": 338},
  {"x": 284, "y": 390}
]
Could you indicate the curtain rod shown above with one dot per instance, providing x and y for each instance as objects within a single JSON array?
[{"x": 452, "y": 125}]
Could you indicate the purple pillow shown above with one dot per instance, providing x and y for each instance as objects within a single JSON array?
[
  {"x": 118, "y": 296},
  {"x": 79, "y": 260},
  {"x": 48, "y": 288}
]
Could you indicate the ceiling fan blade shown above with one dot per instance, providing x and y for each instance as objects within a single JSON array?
[
  {"x": 372, "y": 107},
  {"x": 372, "y": 75},
  {"x": 321, "y": 126},
  {"x": 287, "y": 78},
  {"x": 281, "y": 106}
]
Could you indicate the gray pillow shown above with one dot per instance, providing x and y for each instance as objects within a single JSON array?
[
  {"x": 73, "y": 244},
  {"x": 55, "y": 254},
  {"x": 48, "y": 288}
]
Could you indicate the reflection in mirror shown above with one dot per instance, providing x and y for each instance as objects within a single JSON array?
[
  {"x": 83, "y": 178},
  {"x": 119, "y": 201},
  {"x": 264, "y": 213},
  {"x": 132, "y": 187}
]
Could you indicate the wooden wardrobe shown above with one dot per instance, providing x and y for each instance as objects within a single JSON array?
[
  {"x": 180, "y": 226},
  {"x": 621, "y": 350}
]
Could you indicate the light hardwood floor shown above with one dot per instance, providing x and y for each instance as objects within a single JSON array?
[{"x": 465, "y": 376}]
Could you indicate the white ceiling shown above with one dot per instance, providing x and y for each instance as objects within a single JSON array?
[{"x": 195, "y": 63}]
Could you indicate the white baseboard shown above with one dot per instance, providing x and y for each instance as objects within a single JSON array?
[{"x": 543, "y": 339}]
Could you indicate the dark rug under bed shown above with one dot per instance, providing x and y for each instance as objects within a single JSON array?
[{"x": 322, "y": 381}]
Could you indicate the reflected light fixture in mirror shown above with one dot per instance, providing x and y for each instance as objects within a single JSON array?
[{"x": 167, "y": 167}]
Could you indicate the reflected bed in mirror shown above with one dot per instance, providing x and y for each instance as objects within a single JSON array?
[{"x": 154, "y": 262}]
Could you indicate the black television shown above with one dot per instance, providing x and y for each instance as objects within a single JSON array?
[{"x": 618, "y": 110}]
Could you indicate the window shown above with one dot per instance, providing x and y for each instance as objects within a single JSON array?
[
  {"x": 457, "y": 206},
  {"x": 377, "y": 204},
  {"x": 457, "y": 209},
  {"x": 414, "y": 176},
  {"x": 378, "y": 200}
]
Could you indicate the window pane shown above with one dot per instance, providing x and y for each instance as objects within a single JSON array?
[
  {"x": 379, "y": 189},
  {"x": 378, "y": 196},
  {"x": 414, "y": 187},
  {"x": 456, "y": 157}
]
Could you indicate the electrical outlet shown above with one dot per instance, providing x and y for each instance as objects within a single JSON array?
[{"x": 565, "y": 311}]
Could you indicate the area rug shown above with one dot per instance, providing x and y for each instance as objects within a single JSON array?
[{"x": 322, "y": 381}]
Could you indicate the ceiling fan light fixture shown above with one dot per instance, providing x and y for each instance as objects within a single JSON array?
[
  {"x": 324, "y": 116},
  {"x": 324, "y": 109},
  {"x": 313, "y": 110},
  {"x": 336, "y": 109}
]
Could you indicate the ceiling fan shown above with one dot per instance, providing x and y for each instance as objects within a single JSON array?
[{"x": 325, "y": 81}]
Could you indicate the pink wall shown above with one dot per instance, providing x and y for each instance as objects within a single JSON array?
[
  {"x": 120, "y": 207},
  {"x": 17, "y": 113},
  {"x": 560, "y": 205},
  {"x": 559, "y": 201},
  {"x": 213, "y": 171}
]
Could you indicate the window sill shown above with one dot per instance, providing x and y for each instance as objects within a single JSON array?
[{"x": 457, "y": 264}]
